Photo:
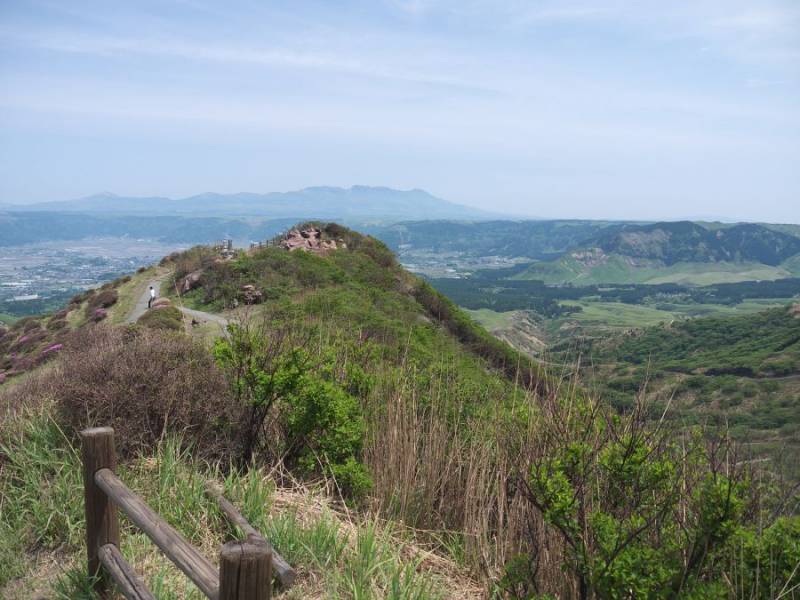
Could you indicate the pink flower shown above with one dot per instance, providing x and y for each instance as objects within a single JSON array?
[{"x": 53, "y": 348}]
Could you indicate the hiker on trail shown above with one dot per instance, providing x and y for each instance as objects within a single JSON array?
[{"x": 152, "y": 297}]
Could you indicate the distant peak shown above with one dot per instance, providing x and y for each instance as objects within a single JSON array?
[{"x": 101, "y": 195}]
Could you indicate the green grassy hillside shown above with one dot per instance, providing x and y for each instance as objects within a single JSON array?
[
  {"x": 765, "y": 344},
  {"x": 619, "y": 269},
  {"x": 741, "y": 372},
  {"x": 682, "y": 252},
  {"x": 363, "y": 294}
]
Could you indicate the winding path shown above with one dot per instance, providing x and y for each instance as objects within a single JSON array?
[
  {"x": 197, "y": 315},
  {"x": 204, "y": 317},
  {"x": 141, "y": 304}
]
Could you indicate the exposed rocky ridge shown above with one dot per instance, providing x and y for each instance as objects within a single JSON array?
[{"x": 310, "y": 239}]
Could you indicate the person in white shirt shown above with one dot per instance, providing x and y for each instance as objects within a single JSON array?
[{"x": 152, "y": 297}]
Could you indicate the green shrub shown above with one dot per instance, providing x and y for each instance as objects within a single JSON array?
[
  {"x": 166, "y": 318},
  {"x": 321, "y": 426},
  {"x": 324, "y": 427},
  {"x": 638, "y": 508},
  {"x": 766, "y": 565},
  {"x": 103, "y": 299}
]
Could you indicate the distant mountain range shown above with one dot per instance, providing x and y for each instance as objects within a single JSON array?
[
  {"x": 596, "y": 252},
  {"x": 334, "y": 203}
]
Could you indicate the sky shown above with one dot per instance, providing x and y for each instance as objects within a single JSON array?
[{"x": 554, "y": 109}]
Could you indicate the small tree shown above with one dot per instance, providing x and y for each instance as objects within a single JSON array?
[
  {"x": 640, "y": 509},
  {"x": 296, "y": 410}
]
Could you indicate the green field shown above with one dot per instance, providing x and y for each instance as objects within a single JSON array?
[
  {"x": 7, "y": 319},
  {"x": 616, "y": 314},
  {"x": 619, "y": 315},
  {"x": 619, "y": 270},
  {"x": 492, "y": 320}
]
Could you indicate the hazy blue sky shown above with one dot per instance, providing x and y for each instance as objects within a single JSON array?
[{"x": 573, "y": 108}]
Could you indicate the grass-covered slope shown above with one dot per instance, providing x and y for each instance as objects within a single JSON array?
[
  {"x": 361, "y": 291},
  {"x": 737, "y": 372},
  {"x": 763, "y": 344},
  {"x": 379, "y": 382}
]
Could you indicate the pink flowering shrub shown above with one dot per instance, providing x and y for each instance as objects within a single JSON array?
[
  {"x": 23, "y": 363},
  {"x": 29, "y": 341}
]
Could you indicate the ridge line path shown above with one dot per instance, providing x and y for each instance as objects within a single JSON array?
[{"x": 198, "y": 315}]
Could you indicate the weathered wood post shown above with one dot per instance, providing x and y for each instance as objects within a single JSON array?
[
  {"x": 102, "y": 526},
  {"x": 245, "y": 572}
]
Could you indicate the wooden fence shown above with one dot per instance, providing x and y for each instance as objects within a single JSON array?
[{"x": 245, "y": 567}]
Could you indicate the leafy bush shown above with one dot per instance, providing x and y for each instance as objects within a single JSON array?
[
  {"x": 766, "y": 565},
  {"x": 166, "y": 318},
  {"x": 80, "y": 298},
  {"x": 56, "y": 324},
  {"x": 323, "y": 426},
  {"x": 320, "y": 426},
  {"x": 97, "y": 315},
  {"x": 190, "y": 260},
  {"x": 638, "y": 508}
]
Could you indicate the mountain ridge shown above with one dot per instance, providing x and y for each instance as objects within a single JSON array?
[
  {"x": 680, "y": 251},
  {"x": 319, "y": 202},
  {"x": 686, "y": 241}
]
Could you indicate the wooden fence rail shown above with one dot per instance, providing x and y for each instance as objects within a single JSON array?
[{"x": 245, "y": 571}]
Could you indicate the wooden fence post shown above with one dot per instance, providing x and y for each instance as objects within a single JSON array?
[
  {"x": 245, "y": 572},
  {"x": 102, "y": 526}
]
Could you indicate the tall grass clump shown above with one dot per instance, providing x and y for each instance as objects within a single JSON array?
[{"x": 40, "y": 483}]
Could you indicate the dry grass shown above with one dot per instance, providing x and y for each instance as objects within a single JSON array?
[
  {"x": 337, "y": 555},
  {"x": 453, "y": 481},
  {"x": 145, "y": 384}
]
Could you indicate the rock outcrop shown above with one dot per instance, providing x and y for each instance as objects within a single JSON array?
[
  {"x": 251, "y": 295},
  {"x": 309, "y": 239},
  {"x": 161, "y": 303},
  {"x": 189, "y": 282}
]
